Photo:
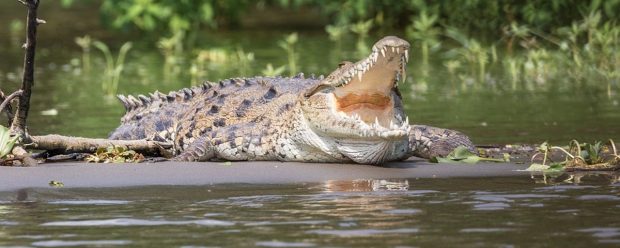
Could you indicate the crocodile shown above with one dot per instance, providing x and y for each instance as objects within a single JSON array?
[{"x": 355, "y": 114}]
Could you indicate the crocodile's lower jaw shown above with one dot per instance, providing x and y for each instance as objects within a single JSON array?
[
  {"x": 368, "y": 106},
  {"x": 368, "y": 94}
]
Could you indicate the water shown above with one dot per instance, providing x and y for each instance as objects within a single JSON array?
[
  {"x": 464, "y": 212},
  {"x": 495, "y": 212}
]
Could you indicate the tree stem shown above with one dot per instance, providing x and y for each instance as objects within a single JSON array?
[{"x": 19, "y": 122}]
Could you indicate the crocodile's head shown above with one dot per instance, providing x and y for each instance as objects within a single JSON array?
[{"x": 358, "y": 107}]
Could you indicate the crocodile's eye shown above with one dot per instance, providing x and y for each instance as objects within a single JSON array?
[
  {"x": 344, "y": 63},
  {"x": 316, "y": 89}
]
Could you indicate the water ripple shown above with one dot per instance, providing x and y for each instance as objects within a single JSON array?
[
  {"x": 403, "y": 211},
  {"x": 64, "y": 243},
  {"x": 562, "y": 188},
  {"x": 363, "y": 232},
  {"x": 268, "y": 223},
  {"x": 598, "y": 197},
  {"x": 491, "y": 206},
  {"x": 602, "y": 232},
  {"x": 485, "y": 230},
  {"x": 90, "y": 202},
  {"x": 138, "y": 222},
  {"x": 512, "y": 197},
  {"x": 283, "y": 244}
]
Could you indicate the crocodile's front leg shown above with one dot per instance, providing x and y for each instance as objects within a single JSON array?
[
  {"x": 428, "y": 142},
  {"x": 235, "y": 143}
]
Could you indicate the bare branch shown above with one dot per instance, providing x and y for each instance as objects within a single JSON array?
[
  {"x": 66, "y": 144},
  {"x": 8, "y": 109},
  {"x": 6, "y": 101},
  {"x": 23, "y": 156}
]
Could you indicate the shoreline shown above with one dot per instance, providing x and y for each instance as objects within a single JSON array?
[{"x": 92, "y": 175}]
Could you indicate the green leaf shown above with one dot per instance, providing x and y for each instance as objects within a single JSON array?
[
  {"x": 56, "y": 184},
  {"x": 459, "y": 154},
  {"x": 462, "y": 154},
  {"x": 6, "y": 141}
]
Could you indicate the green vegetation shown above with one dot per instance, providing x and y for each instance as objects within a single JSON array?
[
  {"x": 288, "y": 44},
  {"x": 56, "y": 184},
  {"x": 501, "y": 45},
  {"x": 462, "y": 155},
  {"x": 114, "y": 154},
  {"x": 578, "y": 157},
  {"x": 85, "y": 43},
  {"x": 113, "y": 68},
  {"x": 6, "y": 141}
]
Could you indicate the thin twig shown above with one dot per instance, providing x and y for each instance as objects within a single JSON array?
[
  {"x": 8, "y": 111},
  {"x": 6, "y": 101},
  {"x": 565, "y": 152}
]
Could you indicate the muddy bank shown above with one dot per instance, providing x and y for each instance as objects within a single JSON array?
[{"x": 267, "y": 172}]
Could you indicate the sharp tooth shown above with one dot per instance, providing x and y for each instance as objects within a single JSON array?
[
  {"x": 359, "y": 75},
  {"x": 383, "y": 51},
  {"x": 407, "y": 121},
  {"x": 392, "y": 126},
  {"x": 403, "y": 74},
  {"x": 406, "y": 56},
  {"x": 377, "y": 122},
  {"x": 392, "y": 49}
]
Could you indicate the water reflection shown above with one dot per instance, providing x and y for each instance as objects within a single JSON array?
[
  {"x": 366, "y": 185},
  {"x": 455, "y": 212},
  {"x": 577, "y": 177}
]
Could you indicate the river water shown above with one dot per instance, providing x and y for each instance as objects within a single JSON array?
[
  {"x": 467, "y": 212},
  {"x": 473, "y": 212}
]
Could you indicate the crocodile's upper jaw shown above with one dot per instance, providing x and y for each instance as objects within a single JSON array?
[
  {"x": 366, "y": 86},
  {"x": 362, "y": 96},
  {"x": 359, "y": 105}
]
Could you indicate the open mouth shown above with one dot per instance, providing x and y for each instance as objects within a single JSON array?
[{"x": 365, "y": 88}]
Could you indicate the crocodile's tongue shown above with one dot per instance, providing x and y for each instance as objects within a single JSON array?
[{"x": 370, "y": 97}]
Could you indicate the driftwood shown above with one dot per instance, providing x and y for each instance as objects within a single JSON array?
[{"x": 64, "y": 144}]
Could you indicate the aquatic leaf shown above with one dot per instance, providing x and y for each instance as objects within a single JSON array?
[
  {"x": 593, "y": 151},
  {"x": 6, "y": 141},
  {"x": 56, "y": 184},
  {"x": 462, "y": 154},
  {"x": 506, "y": 157},
  {"x": 537, "y": 167}
]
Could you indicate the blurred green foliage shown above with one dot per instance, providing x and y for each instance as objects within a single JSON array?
[
  {"x": 480, "y": 16},
  {"x": 489, "y": 15},
  {"x": 536, "y": 42}
]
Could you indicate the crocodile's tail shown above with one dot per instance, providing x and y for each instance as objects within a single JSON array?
[{"x": 148, "y": 115}]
